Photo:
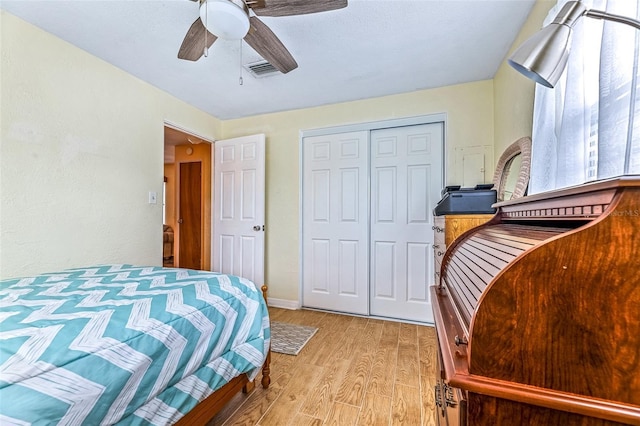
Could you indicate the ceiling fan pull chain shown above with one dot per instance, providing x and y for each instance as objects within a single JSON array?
[
  {"x": 206, "y": 20},
  {"x": 241, "y": 81}
]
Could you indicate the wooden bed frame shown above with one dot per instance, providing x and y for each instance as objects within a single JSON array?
[{"x": 210, "y": 406}]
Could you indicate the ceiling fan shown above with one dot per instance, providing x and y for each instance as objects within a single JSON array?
[{"x": 230, "y": 19}]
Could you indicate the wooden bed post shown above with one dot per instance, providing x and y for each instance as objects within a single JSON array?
[{"x": 266, "y": 371}]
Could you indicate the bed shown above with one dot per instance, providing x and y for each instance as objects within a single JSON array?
[{"x": 120, "y": 344}]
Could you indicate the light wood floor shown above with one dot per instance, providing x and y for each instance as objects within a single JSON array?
[{"x": 354, "y": 371}]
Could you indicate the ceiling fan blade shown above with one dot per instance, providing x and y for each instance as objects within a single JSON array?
[
  {"x": 298, "y": 7},
  {"x": 193, "y": 44},
  {"x": 265, "y": 42}
]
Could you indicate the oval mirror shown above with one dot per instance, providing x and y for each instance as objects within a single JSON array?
[{"x": 511, "y": 178}]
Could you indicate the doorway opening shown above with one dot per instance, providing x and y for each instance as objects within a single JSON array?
[{"x": 187, "y": 202}]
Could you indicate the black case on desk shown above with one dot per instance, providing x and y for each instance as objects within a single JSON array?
[{"x": 466, "y": 201}]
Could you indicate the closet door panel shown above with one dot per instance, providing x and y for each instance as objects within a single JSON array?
[
  {"x": 319, "y": 266},
  {"x": 383, "y": 274},
  {"x": 335, "y": 218},
  {"x": 406, "y": 178},
  {"x": 367, "y": 216}
]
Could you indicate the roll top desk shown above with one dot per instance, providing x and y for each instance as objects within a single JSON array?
[{"x": 537, "y": 312}]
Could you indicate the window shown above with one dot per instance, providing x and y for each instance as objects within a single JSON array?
[{"x": 588, "y": 126}]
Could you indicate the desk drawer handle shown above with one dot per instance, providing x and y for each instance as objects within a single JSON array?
[{"x": 437, "y": 228}]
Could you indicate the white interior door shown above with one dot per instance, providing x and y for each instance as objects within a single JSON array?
[
  {"x": 335, "y": 222},
  {"x": 406, "y": 179},
  {"x": 238, "y": 204}
]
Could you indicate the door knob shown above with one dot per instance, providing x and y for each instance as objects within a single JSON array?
[
  {"x": 180, "y": 220},
  {"x": 256, "y": 228}
]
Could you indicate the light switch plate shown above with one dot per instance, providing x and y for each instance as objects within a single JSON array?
[{"x": 153, "y": 197}]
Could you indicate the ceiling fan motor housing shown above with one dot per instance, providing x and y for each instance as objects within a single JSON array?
[{"x": 227, "y": 19}]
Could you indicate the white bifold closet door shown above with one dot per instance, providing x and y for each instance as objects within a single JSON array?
[
  {"x": 406, "y": 179},
  {"x": 367, "y": 215},
  {"x": 335, "y": 222}
]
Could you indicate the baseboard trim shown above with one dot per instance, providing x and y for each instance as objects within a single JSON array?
[
  {"x": 373, "y": 317},
  {"x": 284, "y": 303},
  {"x": 295, "y": 305}
]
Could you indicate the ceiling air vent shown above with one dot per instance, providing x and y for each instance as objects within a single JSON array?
[{"x": 261, "y": 69}]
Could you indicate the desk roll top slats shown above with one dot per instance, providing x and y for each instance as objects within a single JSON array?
[
  {"x": 538, "y": 310},
  {"x": 473, "y": 265}
]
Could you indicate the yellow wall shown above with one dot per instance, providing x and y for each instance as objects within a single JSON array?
[
  {"x": 513, "y": 92},
  {"x": 75, "y": 179},
  {"x": 81, "y": 147},
  {"x": 469, "y": 109}
]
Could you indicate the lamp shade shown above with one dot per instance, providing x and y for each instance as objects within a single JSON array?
[
  {"x": 543, "y": 56},
  {"x": 227, "y": 19}
]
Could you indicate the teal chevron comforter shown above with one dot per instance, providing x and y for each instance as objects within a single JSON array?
[{"x": 119, "y": 344}]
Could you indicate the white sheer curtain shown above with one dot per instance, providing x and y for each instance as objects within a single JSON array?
[{"x": 588, "y": 126}]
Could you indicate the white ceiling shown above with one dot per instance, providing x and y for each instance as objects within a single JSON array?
[{"x": 370, "y": 48}]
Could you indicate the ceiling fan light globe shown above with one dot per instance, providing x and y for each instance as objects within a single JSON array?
[{"x": 225, "y": 19}]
